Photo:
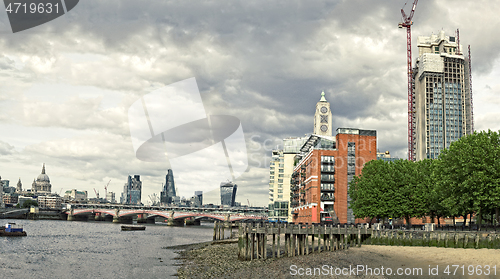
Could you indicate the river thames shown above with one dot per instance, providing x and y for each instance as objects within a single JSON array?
[{"x": 63, "y": 249}]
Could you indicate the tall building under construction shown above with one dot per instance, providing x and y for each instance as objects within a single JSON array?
[{"x": 443, "y": 107}]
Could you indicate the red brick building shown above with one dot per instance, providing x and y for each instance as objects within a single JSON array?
[{"x": 320, "y": 179}]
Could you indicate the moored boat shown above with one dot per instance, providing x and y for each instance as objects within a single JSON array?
[
  {"x": 133, "y": 228},
  {"x": 11, "y": 229}
]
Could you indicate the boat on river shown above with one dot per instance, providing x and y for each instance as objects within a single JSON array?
[
  {"x": 133, "y": 228},
  {"x": 11, "y": 229}
]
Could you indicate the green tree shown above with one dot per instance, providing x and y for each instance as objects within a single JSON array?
[
  {"x": 29, "y": 203},
  {"x": 470, "y": 172},
  {"x": 369, "y": 191}
]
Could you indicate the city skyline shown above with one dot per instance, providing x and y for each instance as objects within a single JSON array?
[{"x": 67, "y": 84}]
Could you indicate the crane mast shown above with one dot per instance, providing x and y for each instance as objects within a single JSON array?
[{"x": 407, "y": 22}]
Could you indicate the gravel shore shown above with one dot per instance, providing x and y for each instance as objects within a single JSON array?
[{"x": 207, "y": 260}]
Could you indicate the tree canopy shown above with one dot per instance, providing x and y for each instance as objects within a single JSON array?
[{"x": 464, "y": 180}]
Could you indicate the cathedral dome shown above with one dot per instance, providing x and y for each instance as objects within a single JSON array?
[{"x": 43, "y": 177}]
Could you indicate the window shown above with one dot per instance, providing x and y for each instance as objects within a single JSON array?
[
  {"x": 280, "y": 180},
  {"x": 280, "y": 175},
  {"x": 280, "y": 191},
  {"x": 280, "y": 196},
  {"x": 281, "y": 170}
]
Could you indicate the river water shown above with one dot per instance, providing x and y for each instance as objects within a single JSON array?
[{"x": 64, "y": 249}]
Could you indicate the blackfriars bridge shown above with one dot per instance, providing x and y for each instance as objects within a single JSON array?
[{"x": 148, "y": 214}]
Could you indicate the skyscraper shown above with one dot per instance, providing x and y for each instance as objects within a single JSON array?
[
  {"x": 227, "y": 193},
  {"x": 442, "y": 95},
  {"x": 168, "y": 193},
  {"x": 132, "y": 191}
]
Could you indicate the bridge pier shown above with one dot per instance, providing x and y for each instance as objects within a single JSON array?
[
  {"x": 192, "y": 222},
  {"x": 151, "y": 220},
  {"x": 175, "y": 222},
  {"x": 123, "y": 219},
  {"x": 99, "y": 217},
  {"x": 142, "y": 218}
]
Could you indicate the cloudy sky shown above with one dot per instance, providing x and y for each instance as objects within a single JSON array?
[{"x": 66, "y": 86}]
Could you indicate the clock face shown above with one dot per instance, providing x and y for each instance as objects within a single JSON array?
[
  {"x": 324, "y": 118},
  {"x": 324, "y": 128},
  {"x": 324, "y": 109}
]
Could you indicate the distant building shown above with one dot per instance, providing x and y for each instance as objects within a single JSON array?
[
  {"x": 227, "y": 193},
  {"x": 9, "y": 199},
  {"x": 19, "y": 187},
  {"x": 386, "y": 156},
  {"x": 320, "y": 180},
  {"x": 4, "y": 183},
  {"x": 168, "y": 193},
  {"x": 75, "y": 195},
  {"x": 443, "y": 108},
  {"x": 49, "y": 201},
  {"x": 110, "y": 196},
  {"x": 132, "y": 191},
  {"x": 2, "y": 203},
  {"x": 42, "y": 184},
  {"x": 197, "y": 199}
]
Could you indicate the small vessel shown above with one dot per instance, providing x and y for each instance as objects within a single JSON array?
[
  {"x": 133, "y": 228},
  {"x": 11, "y": 229}
]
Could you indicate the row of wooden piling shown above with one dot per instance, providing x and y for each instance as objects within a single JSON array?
[
  {"x": 220, "y": 229},
  {"x": 437, "y": 239},
  {"x": 298, "y": 239}
]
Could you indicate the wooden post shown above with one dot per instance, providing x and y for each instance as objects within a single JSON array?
[
  {"x": 359, "y": 236},
  {"x": 319, "y": 239},
  {"x": 324, "y": 239},
  {"x": 248, "y": 248},
  {"x": 274, "y": 247},
  {"x": 299, "y": 241},
  {"x": 253, "y": 246},
  {"x": 241, "y": 245},
  {"x": 346, "y": 239},
  {"x": 279, "y": 244},
  {"x": 306, "y": 241},
  {"x": 215, "y": 231},
  {"x": 312, "y": 238},
  {"x": 331, "y": 238},
  {"x": 264, "y": 242},
  {"x": 223, "y": 227},
  {"x": 478, "y": 237}
]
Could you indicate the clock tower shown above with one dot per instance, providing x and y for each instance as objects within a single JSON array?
[{"x": 323, "y": 118}]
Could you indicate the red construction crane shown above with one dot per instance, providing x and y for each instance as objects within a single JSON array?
[
  {"x": 470, "y": 87},
  {"x": 407, "y": 24},
  {"x": 96, "y": 194}
]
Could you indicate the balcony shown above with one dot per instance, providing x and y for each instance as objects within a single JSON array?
[
  {"x": 326, "y": 197},
  {"x": 328, "y": 190},
  {"x": 327, "y": 169}
]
